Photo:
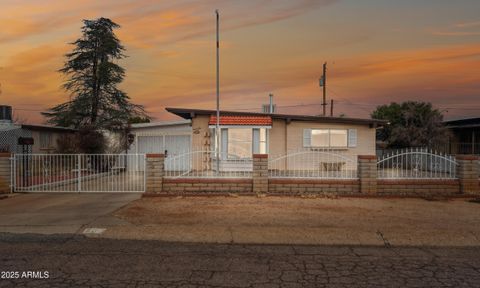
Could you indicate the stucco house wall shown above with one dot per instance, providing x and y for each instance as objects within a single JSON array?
[
  {"x": 201, "y": 133},
  {"x": 276, "y": 138},
  {"x": 286, "y": 137},
  {"x": 365, "y": 136}
]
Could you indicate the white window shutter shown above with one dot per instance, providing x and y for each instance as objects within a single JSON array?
[
  {"x": 352, "y": 137},
  {"x": 256, "y": 141},
  {"x": 307, "y": 137}
]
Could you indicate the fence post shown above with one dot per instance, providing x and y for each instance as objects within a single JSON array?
[
  {"x": 154, "y": 174},
  {"x": 367, "y": 173},
  {"x": 260, "y": 173},
  {"x": 79, "y": 173},
  {"x": 5, "y": 173},
  {"x": 468, "y": 174}
]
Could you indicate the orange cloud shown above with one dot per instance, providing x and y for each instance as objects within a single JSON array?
[
  {"x": 468, "y": 24},
  {"x": 172, "y": 61},
  {"x": 455, "y": 33}
]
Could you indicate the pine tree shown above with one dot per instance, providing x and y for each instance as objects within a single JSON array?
[{"x": 92, "y": 79}]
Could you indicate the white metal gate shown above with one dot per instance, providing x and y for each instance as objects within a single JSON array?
[{"x": 79, "y": 172}]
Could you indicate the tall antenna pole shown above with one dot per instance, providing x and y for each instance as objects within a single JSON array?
[
  {"x": 324, "y": 82},
  {"x": 217, "y": 125}
]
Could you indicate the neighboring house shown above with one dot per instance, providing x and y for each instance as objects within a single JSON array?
[
  {"x": 247, "y": 133},
  {"x": 44, "y": 137},
  {"x": 466, "y": 136}
]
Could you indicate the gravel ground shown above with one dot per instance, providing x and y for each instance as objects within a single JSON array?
[{"x": 285, "y": 220}]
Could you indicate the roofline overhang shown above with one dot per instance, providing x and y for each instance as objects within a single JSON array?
[
  {"x": 187, "y": 113},
  {"x": 160, "y": 124},
  {"x": 47, "y": 128}
]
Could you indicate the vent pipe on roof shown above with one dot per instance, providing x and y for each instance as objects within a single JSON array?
[
  {"x": 269, "y": 108},
  {"x": 271, "y": 103}
]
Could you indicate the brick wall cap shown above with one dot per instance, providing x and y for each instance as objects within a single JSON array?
[
  {"x": 160, "y": 155},
  {"x": 467, "y": 157},
  {"x": 313, "y": 181},
  {"x": 208, "y": 180},
  {"x": 370, "y": 157},
  {"x": 260, "y": 155},
  {"x": 417, "y": 181}
]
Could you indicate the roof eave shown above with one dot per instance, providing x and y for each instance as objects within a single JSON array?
[{"x": 191, "y": 113}]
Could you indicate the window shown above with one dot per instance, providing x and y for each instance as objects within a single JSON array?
[
  {"x": 45, "y": 140},
  {"x": 320, "y": 138},
  {"x": 338, "y": 138},
  {"x": 325, "y": 138},
  {"x": 260, "y": 141},
  {"x": 263, "y": 141},
  {"x": 239, "y": 143}
]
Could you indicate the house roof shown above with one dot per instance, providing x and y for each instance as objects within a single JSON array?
[
  {"x": 187, "y": 113},
  {"x": 160, "y": 124},
  {"x": 241, "y": 120},
  {"x": 463, "y": 123},
  {"x": 37, "y": 127}
]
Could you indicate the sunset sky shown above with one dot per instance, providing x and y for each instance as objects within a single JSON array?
[{"x": 377, "y": 51}]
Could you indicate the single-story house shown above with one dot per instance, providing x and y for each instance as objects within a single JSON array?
[
  {"x": 465, "y": 136},
  {"x": 190, "y": 143},
  {"x": 45, "y": 138},
  {"x": 246, "y": 133}
]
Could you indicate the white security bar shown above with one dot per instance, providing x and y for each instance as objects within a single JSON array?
[
  {"x": 202, "y": 164},
  {"x": 417, "y": 163},
  {"x": 314, "y": 163}
]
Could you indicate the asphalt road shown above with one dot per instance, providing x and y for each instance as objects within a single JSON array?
[{"x": 76, "y": 261}]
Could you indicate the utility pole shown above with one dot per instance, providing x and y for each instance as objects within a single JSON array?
[
  {"x": 217, "y": 124},
  {"x": 331, "y": 107},
  {"x": 323, "y": 83}
]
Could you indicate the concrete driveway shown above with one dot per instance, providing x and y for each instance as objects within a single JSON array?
[{"x": 51, "y": 213}]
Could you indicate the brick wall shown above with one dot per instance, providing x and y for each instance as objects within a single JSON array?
[
  {"x": 366, "y": 184},
  {"x": 5, "y": 175},
  {"x": 205, "y": 186},
  {"x": 260, "y": 173},
  {"x": 155, "y": 171},
  {"x": 367, "y": 173},
  {"x": 292, "y": 186},
  {"x": 468, "y": 174},
  {"x": 418, "y": 187}
]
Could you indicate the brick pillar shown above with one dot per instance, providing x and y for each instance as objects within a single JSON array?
[
  {"x": 154, "y": 173},
  {"x": 367, "y": 173},
  {"x": 5, "y": 172},
  {"x": 260, "y": 173},
  {"x": 468, "y": 174}
]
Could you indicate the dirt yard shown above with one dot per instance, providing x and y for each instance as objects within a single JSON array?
[{"x": 304, "y": 221}]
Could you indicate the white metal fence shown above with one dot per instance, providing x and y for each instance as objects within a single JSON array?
[
  {"x": 204, "y": 164},
  {"x": 78, "y": 172},
  {"x": 417, "y": 163},
  {"x": 314, "y": 163}
]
